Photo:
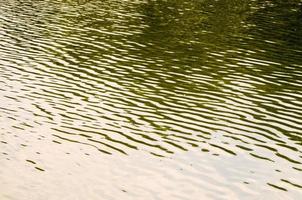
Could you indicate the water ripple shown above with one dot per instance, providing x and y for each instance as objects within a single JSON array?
[{"x": 123, "y": 77}]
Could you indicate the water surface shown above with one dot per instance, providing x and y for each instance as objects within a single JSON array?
[{"x": 150, "y": 99}]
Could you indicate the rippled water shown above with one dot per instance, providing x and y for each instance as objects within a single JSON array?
[{"x": 154, "y": 99}]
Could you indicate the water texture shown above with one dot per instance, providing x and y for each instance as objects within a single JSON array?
[{"x": 154, "y": 99}]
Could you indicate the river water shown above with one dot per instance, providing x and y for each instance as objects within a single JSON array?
[{"x": 154, "y": 99}]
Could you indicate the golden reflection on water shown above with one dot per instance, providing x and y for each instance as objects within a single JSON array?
[{"x": 72, "y": 172}]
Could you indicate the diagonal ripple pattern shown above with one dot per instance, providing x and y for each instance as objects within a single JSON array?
[{"x": 161, "y": 77}]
